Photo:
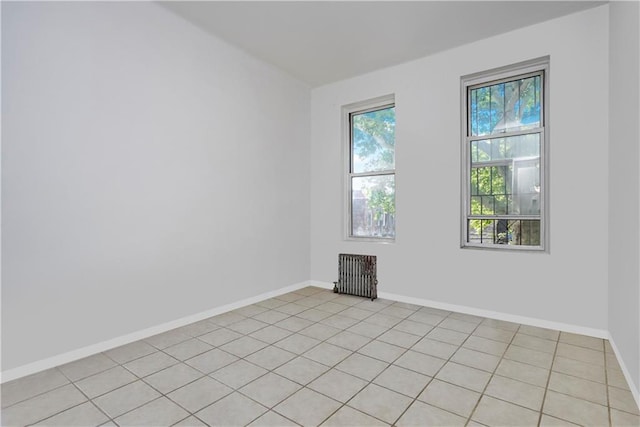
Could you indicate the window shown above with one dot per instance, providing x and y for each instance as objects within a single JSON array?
[
  {"x": 505, "y": 131},
  {"x": 371, "y": 170}
]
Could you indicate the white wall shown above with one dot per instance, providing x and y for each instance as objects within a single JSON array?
[
  {"x": 624, "y": 184},
  {"x": 567, "y": 285},
  {"x": 149, "y": 172}
]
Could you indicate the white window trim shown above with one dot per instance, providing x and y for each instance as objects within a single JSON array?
[
  {"x": 491, "y": 77},
  {"x": 370, "y": 104}
]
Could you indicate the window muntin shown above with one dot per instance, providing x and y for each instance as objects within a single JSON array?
[
  {"x": 504, "y": 152},
  {"x": 372, "y": 172}
]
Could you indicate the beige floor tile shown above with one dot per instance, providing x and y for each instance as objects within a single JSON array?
[
  {"x": 523, "y": 372},
  {"x": 160, "y": 412},
  {"x": 189, "y": 422},
  {"x": 397, "y": 311},
  {"x": 616, "y": 379},
  {"x": 368, "y": 330},
  {"x": 150, "y": 364},
  {"x": 270, "y": 316},
  {"x": 534, "y": 343},
  {"x": 302, "y": 370},
  {"x": 332, "y": 307},
  {"x": 86, "y": 367},
  {"x": 382, "y": 319},
  {"x": 272, "y": 303},
  {"x": 382, "y": 351},
  {"x": 106, "y": 381},
  {"x": 270, "y": 334},
  {"x": 435, "y": 348},
  {"x": 187, "y": 349},
  {"x": 126, "y": 398},
  {"x": 582, "y": 341},
  {"x": 220, "y": 337},
  {"x": 339, "y": 321},
  {"x": 251, "y": 310},
  {"x": 294, "y": 324},
  {"x": 458, "y": 325},
  {"x": 624, "y": 419},
  {"x": 495, "y": 334},
  {"x": 270, "y": 357},
  {"x": 337, "y": 385},
  {"x": 129, "y": 352},
  {"x": 484, "y": 345},
  {"x": 42, "y": 406},
  {"x": 319, "y": 331},
  {"x": 290, "y": 297},
  {"x": 517, "y": 392},
  {"x": 578, "y": 387},
  {"x": 272, "y": 419},
  {"x": 198, "y": 328},
  {"x": 361, "y": 366},
  {"x": 447, "y": 335},
  {"x": 548, "y": 334},
  {"x": 307, "y": 407},
  {"x": 242, "y": 347},
  {"x": 211, "y": 360},
  {"x": 451, "y": 397},
  {"x": 419, "y": 362},
  {"x": 495, "y": 412},
  {"x": 426, "y": 318},
  {"x": 199, "y": 394},
  {"x": 85, "y": 414},
  {"x": 327, "y": 354},
  {"x": 464, "y": 376},
  {"x": 30, "y": 386},
  {"x": 501, "y": 324},
  {"x": 588, "y": 371},
  {"x": 238, "y": 373},
  {"x": 310, "y": 301},
  {"x": 402, "y": 380},
  {"x": 421, "y": 414},
  {"x": 399, "y": 338},
  {"x": 622, "y": 400},
  {"x": 291, "y": 309},
  {"x": 176, "y": 376},
  {"x": 349, "y": 417},
  {"x": 313, "y": 314},
  {"x": 349, "y": 340},
  {"x": 466, "y": 317},
  {"x": 297, "y": 343},
  {"x": 380, "y": 403},
  {"x": 246, "y": 326},
  {"x": 531, "y": 357},
  {"x": 575, "y": 410},
  {"x": 356, "y": 313},
  {"x": 232, "y": 410},
  {"x": 413, "y": 327},
  {"x": 580, "y": 353},
  {"x": 167, "y": 339},
  {"x": 549, "y": 421},
  {"x": 270, "y": 389},
  {"x": 476, "y": 359}
]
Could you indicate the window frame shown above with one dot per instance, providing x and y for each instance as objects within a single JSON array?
[
  {"x": 539, "y": 66},
  {"x": 373, "y": 104}
]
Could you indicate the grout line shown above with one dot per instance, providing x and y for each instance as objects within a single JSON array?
[{"x": 546, "y": 387}]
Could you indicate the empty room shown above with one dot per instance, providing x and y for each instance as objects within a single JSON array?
[{"x": 305, "y": 213}]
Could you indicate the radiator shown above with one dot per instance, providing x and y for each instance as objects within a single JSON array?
[{"x": 357, "y": 275}]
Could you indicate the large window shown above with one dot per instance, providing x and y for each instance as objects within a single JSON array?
[
  {"x": 371, "y": 170},
  {"x": 504, "y": 140}
]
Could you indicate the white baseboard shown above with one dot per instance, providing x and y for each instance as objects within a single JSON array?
[
  {"x": 632, "y": 386},
  {"x": 61, "y": 359},
  {"x": 531, "y": 321}
]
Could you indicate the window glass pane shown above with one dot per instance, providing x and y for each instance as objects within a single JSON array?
[
  {"x": 504, "y": 231},
  {"x": 509, "y": 189},
  {"x": 514, "y": 147},
  {"x": 373, "y": 140},
  {"x": 373, "y": 206},
  {"x": 506, "y": 107}
]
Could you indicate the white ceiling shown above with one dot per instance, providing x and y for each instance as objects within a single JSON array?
[{"x": 320, "y": 42}]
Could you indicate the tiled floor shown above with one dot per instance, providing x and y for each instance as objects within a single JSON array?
[{"x": 312, "y": 357}]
